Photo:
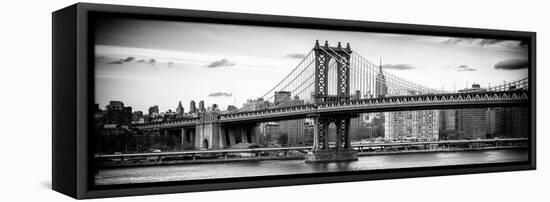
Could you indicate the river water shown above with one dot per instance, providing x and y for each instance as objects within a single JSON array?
[{"x": 282, "y": 167}]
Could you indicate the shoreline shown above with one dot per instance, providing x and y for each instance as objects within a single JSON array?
[{"x": 294, "y": 157}]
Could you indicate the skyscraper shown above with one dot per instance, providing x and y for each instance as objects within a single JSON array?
[
  {"x": 192, "y": 107},
  {"x": 447, "y": 124},
  {"x": 507, "y": 122},
  {"x": 179, "y": 109},
  {"x": 201, "y": 106},
  {"x": 381, "y": 85}
]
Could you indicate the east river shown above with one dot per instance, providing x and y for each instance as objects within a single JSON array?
[{"x": 282, "y": 167}]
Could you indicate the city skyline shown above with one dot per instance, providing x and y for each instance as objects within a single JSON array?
[{"x": 168, "y": 62}]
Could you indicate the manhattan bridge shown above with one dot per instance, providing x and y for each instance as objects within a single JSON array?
[{"x": 336, "y": 85}]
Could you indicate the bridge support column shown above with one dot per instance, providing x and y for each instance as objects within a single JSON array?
[
  {"x": 182, "y": 138},
  {"x": 207, "y": 135},
  {"x": 315, "y": 133},
  {"x": 256, "y": 133},
  {"x": 321, "y": 151},
  {"x": 244, "y": 134},
  {"x": 231, "y": 133},
  {"x": 222, "y": 143}
]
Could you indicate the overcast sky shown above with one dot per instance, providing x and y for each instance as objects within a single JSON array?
[{"x": 144, "y": 63}]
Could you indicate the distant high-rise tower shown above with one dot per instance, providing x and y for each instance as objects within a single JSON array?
[
  {"x": 381, "y": 85},
  {"x": 192, "y": 107},
  {"x": 180, "y": 109},
  {"x": 201, "y": 106}
]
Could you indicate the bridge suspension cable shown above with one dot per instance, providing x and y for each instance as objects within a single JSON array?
[
  {"x": 520, "y": 84},
  {"x": 293, "y": 84},
  {"x": 365, "y": 80},
  {"x": 362, "y": 69}
]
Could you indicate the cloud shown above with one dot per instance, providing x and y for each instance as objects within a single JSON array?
[
  {"x": 452, "y": 41},
  {"x": 512, "y": 64},
  {"x": 462, "y": 68},
  {"x": 152, "y": 62},
  {"x": 484, "y": 42},
  {"x": 117, "y": 62},
  {"x": 398, "y": 66},
  {"x": 220, "y": 63},
  {"x": 141, "y": 61},
  {"x": 295, "y": 56},
  {"x": 128, "y": 59},
  {"x": 122, "y": 61},
  {"x": 220, "y": 94},
  {"x": 467, "y": 70}
]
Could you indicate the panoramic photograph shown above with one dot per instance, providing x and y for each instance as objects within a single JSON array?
[{"x": 179, "y": 101}]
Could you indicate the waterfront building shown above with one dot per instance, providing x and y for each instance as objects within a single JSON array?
[
  {"x": 358, "y": 128},
  {"x": 138, "y": 117},
  {"x": 447, "y": 123},
  {"x": 475, "y": 123},
  {"x": 357, "y": 95},
  {"x": 507, "y": 122},
  {"x": 471, "y": 123},
  {"x": 297, "y": 132},
  {"x": 475, "y": 88},
  {"x": 231, "y": 108},
  {"x": 115, "y": 105},
  {"x": 412, "y": 125},
  {"x": 281, "y": 97},
  {"x": 253, "y": 105},
  {"x": 117, "y": 113}
]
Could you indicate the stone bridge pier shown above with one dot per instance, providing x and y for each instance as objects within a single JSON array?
[
  {"x": 210, "y": 134},
  {"x": 341, "y": 149}
]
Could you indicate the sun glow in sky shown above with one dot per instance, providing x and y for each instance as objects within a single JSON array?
[{"x": 145, "y": 62}]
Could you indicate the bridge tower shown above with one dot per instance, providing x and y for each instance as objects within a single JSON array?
[
  {"x": 342, "y": 150},
  {"x": 323, "y": 56}
]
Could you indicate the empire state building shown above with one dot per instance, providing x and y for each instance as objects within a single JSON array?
[{"x": 381, "y": 85}]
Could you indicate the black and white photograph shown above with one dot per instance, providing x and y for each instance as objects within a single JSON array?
[
  {"x": 180, "y": 101},
  {"x": 275, "y": 101}
]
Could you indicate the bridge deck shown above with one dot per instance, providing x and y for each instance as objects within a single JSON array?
[{"x": 394, "y": 103}]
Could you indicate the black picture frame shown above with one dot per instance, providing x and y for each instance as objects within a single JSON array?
[{"x": 72, "y": 70}]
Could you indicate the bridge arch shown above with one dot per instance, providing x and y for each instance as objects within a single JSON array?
[{"x": 332, "y": 134}]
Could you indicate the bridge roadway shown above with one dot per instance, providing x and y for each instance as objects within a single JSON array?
[
  {"x": 257, "y": 150},
  {"x": 393, "y": 103}
]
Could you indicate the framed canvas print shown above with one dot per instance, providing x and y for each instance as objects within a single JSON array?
[{"x": 156, "y": 100}]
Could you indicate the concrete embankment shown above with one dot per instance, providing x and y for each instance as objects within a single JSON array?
[{"x": 122, "y": 164}]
